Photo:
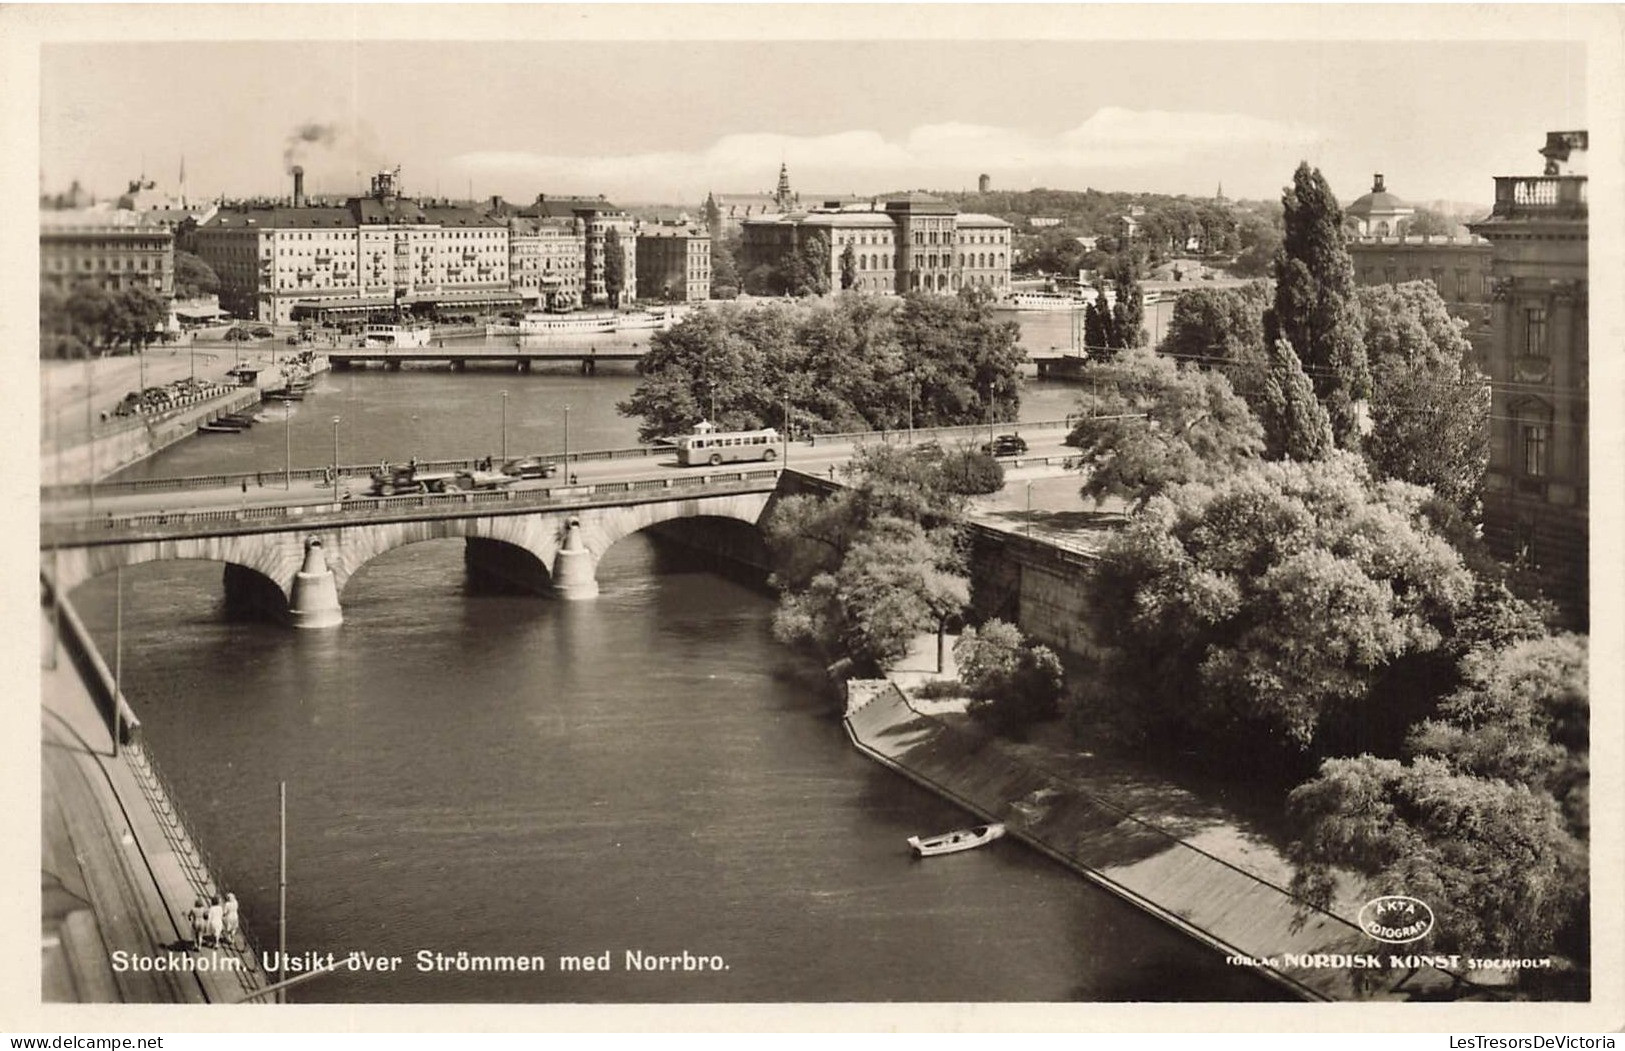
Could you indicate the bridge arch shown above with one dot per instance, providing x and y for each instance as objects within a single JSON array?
[
  {"x": 602, "y": 528},
  {"x": 274, "y": 558}
]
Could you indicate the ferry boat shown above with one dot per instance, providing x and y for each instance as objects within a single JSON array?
[
  {"x": 1042, "y": 301},
  {"x": 394, "y": 335}
]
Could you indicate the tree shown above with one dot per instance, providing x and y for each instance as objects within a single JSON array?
[
  {"x": 1012, "y": 683},
  {"x": 614, "y": 266},
  {"x": 1491, "y": 859},
  {"x": 1428, "y": 223},
  {"x": 1099, "y": 336},
  {"x": 1147, "y": 423},
  {"x": 139, "y": 314},
  {"x": 1295, "y": 424},
  {"x": 1317, "y": 307},
  {"x": 1522, "y": 715},
  {"x": 813, "y": 273},
  {"x": 1259, "y": 241},
  {"x": 725, "y": 283},
  {"x": 194, "y": 277},
  {"x": 1218, "y": 327},
  {"x": 1430, "y": 405},
  {"x": 849, "y": 267},
  {"x": 1245, "y": 609},
  {"x": 1128, "y": 316},
  {"x": 972, "y": 472}
]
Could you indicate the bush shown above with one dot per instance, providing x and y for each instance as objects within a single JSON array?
[
  {"x": 939, "y": 690},
  {"x": 1012, "y": 684},
  {"x": 972, "y": 473}
]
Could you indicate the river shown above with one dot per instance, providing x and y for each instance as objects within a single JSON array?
[{"x": 648, "y": 771}]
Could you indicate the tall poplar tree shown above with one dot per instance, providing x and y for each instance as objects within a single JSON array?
[
  {"x": 1317, "y": 308},
  {"x": 614, "y": 266},
  {"x": 1295, "y": 424},
  {"x": 1128, "y": 317}
]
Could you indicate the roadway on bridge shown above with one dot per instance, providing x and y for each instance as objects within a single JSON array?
[{"x": 269, "y": 490}]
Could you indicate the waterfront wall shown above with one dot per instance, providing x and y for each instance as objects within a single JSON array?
[
  {"x": 1226, "y": 908},
  {"x": 112, "y": 451}
]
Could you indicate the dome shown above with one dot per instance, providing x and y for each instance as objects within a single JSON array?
[{"x": 1378, "y": 202}]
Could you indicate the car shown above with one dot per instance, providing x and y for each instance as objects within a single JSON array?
[
  {"x": 530, "y": 467},
  {"x": 1006, "y": 445}
]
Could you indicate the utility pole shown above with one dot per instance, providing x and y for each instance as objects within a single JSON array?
[
  {"x": 282, "y": 887},
  {"x": 118, "y": 656}
]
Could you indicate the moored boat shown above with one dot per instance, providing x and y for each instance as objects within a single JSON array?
[
  {"x": 393, "y": 335},
  {"x": 953, "y": 842}
]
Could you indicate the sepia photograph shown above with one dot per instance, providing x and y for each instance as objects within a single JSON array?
[{"x": 922, "y": 508}]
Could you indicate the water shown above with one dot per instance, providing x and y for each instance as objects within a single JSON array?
[{"x": 514, "y": 775}]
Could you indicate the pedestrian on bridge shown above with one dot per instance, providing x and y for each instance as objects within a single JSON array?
[
  {"x": 216, "y": 918},
  {"x": 200, "y": 922}
]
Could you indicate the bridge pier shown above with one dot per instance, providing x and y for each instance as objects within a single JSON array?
[
  {"x": 315, "y": 599},
  {"x": 575, "y": 570},
  {"x": 394, "y": 365},
  {"x": 458, "y": 364}
]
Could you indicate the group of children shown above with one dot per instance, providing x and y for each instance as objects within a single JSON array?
[{"x": 214, "y": 924}]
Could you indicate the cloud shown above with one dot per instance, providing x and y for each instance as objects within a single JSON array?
[{"x": 1110, "y": 140}]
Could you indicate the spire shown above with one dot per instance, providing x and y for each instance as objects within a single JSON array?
[
  {"x": 782, "y": 197},
  {"x": 182, "y": 190}
]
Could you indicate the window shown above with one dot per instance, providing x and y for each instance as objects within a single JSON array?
[
  {"x": 1534, "y": 450},
  {"x": 1534, "y": 332}
]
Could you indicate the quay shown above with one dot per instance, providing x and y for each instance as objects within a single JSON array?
[
  {"x": 119, "y": 869},
  {"x": 1226, "y": 907},
  {"x": 458, "y": 358}
]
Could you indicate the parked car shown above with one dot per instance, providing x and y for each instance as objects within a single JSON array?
[
  {"x": 530, "y": 467},
  {"x": 1006, "y": 445}
]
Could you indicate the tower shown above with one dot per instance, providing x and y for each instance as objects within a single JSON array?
[{"x": 783, "y": 199}]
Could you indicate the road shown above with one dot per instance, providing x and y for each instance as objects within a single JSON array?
[{"x": 819, "y": 458}]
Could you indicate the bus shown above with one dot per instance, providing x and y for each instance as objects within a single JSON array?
[{"x": 715, "y": 447}]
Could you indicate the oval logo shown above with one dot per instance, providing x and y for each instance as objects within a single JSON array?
[{"x": 1396, "y": 918}]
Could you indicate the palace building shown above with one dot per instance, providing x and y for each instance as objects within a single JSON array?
[{"x": 1537, "y": 490}]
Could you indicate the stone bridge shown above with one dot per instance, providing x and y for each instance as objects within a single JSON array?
[{"x": 294, "y": 562}]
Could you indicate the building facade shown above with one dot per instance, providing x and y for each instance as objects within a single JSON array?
[
  {"x": 547, "y": 261},
  {"x": 673, "y": 264},
  {"x": 598, "y": 218},
  {"x": 1537, "y": 493},
  {"x": 286, "y": 261},
  {"x": 107, "y": 248},
  {"x": 909, "y": 243},
  {"x": 1379, "y": 213}
]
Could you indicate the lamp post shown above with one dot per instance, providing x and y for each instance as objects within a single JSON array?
[
  {"x": 567, "y": 473},
  {"x": 787, "y": 430},
  {"x": 90, "y": 424},
  {"x": 336, "y": 457},
  {"x": 504, "y": 426},
  {"x": 287, "y": 445},
  {"x": 911, "y": 408},
  {"x": 1029, "y": 509},
  {"x": 414, "y": 443}
]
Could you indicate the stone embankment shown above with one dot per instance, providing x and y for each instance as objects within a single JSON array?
[{"x": 1314, "y": 954}]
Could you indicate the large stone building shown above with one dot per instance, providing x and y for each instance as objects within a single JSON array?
[
  {"x": 1537, "y": 492},
  {"x": 598, "y": 218},
  {"x": 108, "y": 248},
  {"x": 674, "y": 264},
  {"x": 286, "y": 261},
  {"x": 547, "y": 261},
  {"x": 911, "y": 242}
]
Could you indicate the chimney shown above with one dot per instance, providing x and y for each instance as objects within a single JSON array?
[
  {"x": 298, "y": 186},
  {"x": 1376, "y": 183}
]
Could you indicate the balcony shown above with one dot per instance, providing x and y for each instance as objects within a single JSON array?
[{"x": 1540, "y": 197}]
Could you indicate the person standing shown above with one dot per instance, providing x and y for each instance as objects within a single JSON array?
[
  {"x": 216, "y": 921},
  {"x": 231, "y": 920},
  {"x": 200, "y": 922}
]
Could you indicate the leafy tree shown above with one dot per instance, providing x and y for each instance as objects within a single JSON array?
[
  {"x": 138, "y": 315},
  {"x": 972, "y": 472},
  {"x": 1295, "y": 424},
  {"x": 1317, "y": 307},
  {"x": 1012, "y": 683},
  {"x": 1099, "y": 334},
  {"x": 849, "y": 267},
  {"x": 1430, "y": 405},
  {"x": 1128, "y": 316},
  {"x": 614, "y": 266},
  {"x": 1427, "y": 222},
  {"x": 725, "y": 281},
  {"x": 1522, "y": 715},
  {"x": 815, "y": 260},
  {"x": 1148, "y": 423},
  {"x": 1493, "y": 860},
  {"x": 1242, "y": 609},
  {"x": 194, "y": 277},
  {"x": 1260, "y": 241}
]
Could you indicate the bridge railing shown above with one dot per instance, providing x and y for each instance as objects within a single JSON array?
[
  {"x": 270, "y": 477},
  {"x": 158, "y": 524}
]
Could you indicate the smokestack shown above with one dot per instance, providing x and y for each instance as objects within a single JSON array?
[{"x": 298, "y": 186}]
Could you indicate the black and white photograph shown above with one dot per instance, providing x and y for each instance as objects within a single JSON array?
[{"x": 894, "y": 516}]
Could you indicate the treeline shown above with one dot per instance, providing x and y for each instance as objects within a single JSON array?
[
  {"x": 852, "y": 363},
  {"x": 1301, "y": 592},
  {"x": 86, "y": 320}
]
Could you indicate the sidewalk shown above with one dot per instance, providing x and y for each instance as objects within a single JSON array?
[{"x": 117, "y": 870}]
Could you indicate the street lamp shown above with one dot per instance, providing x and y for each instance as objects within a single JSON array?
[
  {"x": 504, "y": 426},
  {"x": 1029, "y": 509},
  {"x": 414, "y": 449},
  {"x": 787, "y": 430},
  {"x": 567, "y": 473},
  {"x": 335, "y": 457},
  {"x": 287, "y": 445}
]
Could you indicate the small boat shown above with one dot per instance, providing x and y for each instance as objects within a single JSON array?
[
  {"x": 218, "y": 428},
  {"x": 952, "y": 842},
  {"x": 284, "y": 394}
]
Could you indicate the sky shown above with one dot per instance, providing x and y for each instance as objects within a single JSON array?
[{"x": 670, "y": 120}]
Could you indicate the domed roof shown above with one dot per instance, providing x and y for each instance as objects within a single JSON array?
[{"x": 1379, "y": 201}]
